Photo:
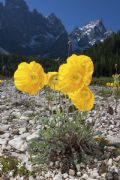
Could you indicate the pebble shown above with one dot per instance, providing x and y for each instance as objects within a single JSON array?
[
  {"x": 117, "y": 159},
  {"x": 24, "y": 118},
  {"x": 22, "y": 130},
  {"x": 5, "y": 135},
  {"x": 32, "y": 122},
  {"x": 109, "y": 176},
  {"x": 71, "y": 172},
  {"x": 78, "y": 174},
  {"x": 31, "y": 178},
  {"x": 58, "y": 177},
  {"x": 3, "y": 141},
  {"x": 32, "y": 136},
  {"x": 4, "y": 127},
  {"x": 95, "y": 175},
  {"x": 18, "y": 144},
  {"x": 84, "y": 177},
  {"x": 16, "y": 114},
  {"x": 109, "y": 163},
  {"x": 65, "y": 175},
  {"x": 48, "y": 175}
]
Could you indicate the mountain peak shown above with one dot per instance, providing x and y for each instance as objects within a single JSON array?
[
  {"x": 52, "y": 18},
  {"x": 90, "y": 34},
  {"x": 16, "y": 4},
  {"x": 54, "y": 21},
  {"x": 96, "y": 22},
  {"x": 51, "y": 15},
  {"x": 30, "y": 33}
]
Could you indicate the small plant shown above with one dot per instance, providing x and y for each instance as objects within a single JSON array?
[
  {"x": 115, "y": 85},
  {"x": 11, "y": 164},
  {"x": 65, "y": 136}
]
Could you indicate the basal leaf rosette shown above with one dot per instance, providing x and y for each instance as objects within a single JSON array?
[
  {"x": 76, "y": 73},
  {"x": 83, "y": 99},
  {"x": 52, "y": 80},
  {"x": 29, "y": 77}
]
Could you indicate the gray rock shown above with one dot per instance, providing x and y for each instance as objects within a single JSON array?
[
  {"x": 116, "y": 176},
  {"x": 32, "y": 122},
  {"x": 22, "y": 130},
  {"x": 3, "y": 141},
  {"x": 71, "y": 172},
  {"x": 90, "y": 120},
  {"x": 92, "y": 179},
  {"x": 32, "y": 136},
  {"x": 18, "y": 144},
  {"x": 109, "y": 163},
  {"x": 48, "y": 175},
  {"x": 6, "y": 135},
  {"x": 84, "y": 177},
  {"x": 31, "y": 178},
  {"x": 65, "y": 175},
  {"x": 79, "y": 174},
  {"x": 24, "y": 135},
  {"x": 114, "y": 140},
  {"x": 24, "y": 118},
  {"x": 4, "y": 127},
  {"x": 117, "y": 159},
  {"x": 16, "y": 114},
  {"x": 109, "y": 176},
  {"x": 27, "y": 113},
  {"x": 58, "y": 177}
]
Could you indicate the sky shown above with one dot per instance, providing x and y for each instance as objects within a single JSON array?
[{"x": 79, "y": 12}]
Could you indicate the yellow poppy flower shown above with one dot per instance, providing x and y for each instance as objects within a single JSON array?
[
  {"x": 116, "y": 75},
  {"x": 29, "y": 77},
  {"x": 52, "y": 80},
  {"x": 112, "y": 84},
  {"x": 116, "y": 80},
  {"x": 83, "y": 99},
  {"x": 76, "y": 73},
  {"x": 1, "y": 81},
  {"x": 108, "y": 84}
]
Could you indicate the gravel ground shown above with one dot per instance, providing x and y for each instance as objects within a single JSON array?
[{"x": 20, "y": 122}]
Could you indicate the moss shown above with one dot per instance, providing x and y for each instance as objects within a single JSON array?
[{"x": 9, "y": 163}]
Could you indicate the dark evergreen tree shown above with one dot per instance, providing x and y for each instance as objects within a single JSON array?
[{"x": 105, "y": 55}]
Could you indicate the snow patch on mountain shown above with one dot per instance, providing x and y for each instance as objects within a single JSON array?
[{"x": 88, "y": 35}]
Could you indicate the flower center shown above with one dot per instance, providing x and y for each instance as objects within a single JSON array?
[
  {"x": 34, "y": 77},
  {"x": 77, "y": 78},
  {"x": 55, "y": 79}
]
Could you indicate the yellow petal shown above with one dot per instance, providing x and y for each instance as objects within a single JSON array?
[
  {"x": 52, "y": 80},
  {"x": 83, "y": 99}
]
